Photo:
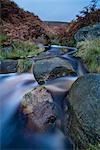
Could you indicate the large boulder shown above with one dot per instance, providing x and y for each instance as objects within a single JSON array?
[
  {"x": 44, "y": 67},
  {"x": 87, "y": 33},
  {"x": 82, "y": 115},
  {"x": 39, "y": 110}
]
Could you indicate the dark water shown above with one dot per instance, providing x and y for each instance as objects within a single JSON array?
[{"x": 12, "y": 88}]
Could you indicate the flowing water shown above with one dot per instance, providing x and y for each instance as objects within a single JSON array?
[{"x": 12, "y": 89}]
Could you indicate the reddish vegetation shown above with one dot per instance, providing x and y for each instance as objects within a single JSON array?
[
  {"x": 82, "y": 21},
  {"x": 19, "y": 24},
  {"x": 57, "y": 28},
  {"x": 23, "y": 25}
]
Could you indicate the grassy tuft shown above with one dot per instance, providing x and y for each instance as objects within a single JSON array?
[
  {"x": 25, "y": 65},
  {"x": 20, "y": 49},
  {"x": 3, "y": 38},
  {"x": 89, "y": 51},
  {"x": 94, "y": 147}
]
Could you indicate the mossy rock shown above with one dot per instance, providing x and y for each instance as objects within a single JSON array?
[{"x": 82, "y": 117}]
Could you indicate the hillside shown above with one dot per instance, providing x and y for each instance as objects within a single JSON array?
[
  {"x": 89, "y": 17},
  {"x": 19, "y": 24},
  {"x": 58, "y": 28}
]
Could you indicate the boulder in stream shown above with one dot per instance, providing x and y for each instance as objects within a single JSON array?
[
  {"x": 39, "y": 110},
  {"x": 82, "y": 115},
  {"x": 43, "y": 68}
]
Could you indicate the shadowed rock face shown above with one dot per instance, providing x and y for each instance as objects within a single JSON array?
[{"x": 82, "y": 116}]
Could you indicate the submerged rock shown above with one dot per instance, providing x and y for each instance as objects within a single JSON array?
[
  {"x": 44, "y": 67},
  {"x": 82, "y": 115},
  {"x": 39, "y": 110}
]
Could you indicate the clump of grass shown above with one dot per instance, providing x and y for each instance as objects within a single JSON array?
[
  {"x": 89, "y": 51},
  {"x": 20, "y": 49},
  {"x": 3, "y": 38},
  {"x": 94, "y": 147},
  {"x": 24, "y": 65}
]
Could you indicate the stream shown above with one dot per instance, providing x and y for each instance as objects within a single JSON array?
[{"x": 14, "y": 86}]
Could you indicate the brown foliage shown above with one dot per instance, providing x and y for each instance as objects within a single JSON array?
[
  {"x": 89, "y": 18},
  {"x": 20, "y": 24}
]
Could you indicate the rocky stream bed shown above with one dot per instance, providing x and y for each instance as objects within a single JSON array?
[{"x": 68, "y": 98}]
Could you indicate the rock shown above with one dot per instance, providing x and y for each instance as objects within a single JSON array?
[
  {"x": 12, "y": 66},
  {"x": 39, "y": 110},
  {"x": 82, "y": 115},
  {"x": 44, "y": 67},
  {"x": 38, "y": 95},
  {"x": 89, "y": 32},
  {"x": 8, "y": 66}
]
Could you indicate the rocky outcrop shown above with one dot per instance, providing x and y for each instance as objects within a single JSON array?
[
  {"x": 82, "y": 115},
  {"x": 88, "y": 33}
]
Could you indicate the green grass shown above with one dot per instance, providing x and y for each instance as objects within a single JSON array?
[
  {"x": 94, "y": 147},
  {"x": 24, "y": 65},
  {"x": 20, "y": 49},
  {"x": 89, "y": 51},
  {"x": 3, "y": 38}
]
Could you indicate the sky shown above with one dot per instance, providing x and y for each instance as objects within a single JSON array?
[{"x": 54, "y": 10}]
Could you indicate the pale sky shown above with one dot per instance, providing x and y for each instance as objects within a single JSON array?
[{"x": 54, "y": 10}]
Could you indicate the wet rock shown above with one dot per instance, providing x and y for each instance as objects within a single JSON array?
[
  {"x": 89, "y": 32},
  {"x": 82, "y": 115},
  {"x": 8, "y": 66},
  {"x": 42, "y": 68},
  {"x": 39, "y": 110}
]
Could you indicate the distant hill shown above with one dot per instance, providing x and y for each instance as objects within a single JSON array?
[
  {"x": 57, "y": 28},
  {"x": 56, "y": 23},
  {"x": 20, "y": 24}
]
